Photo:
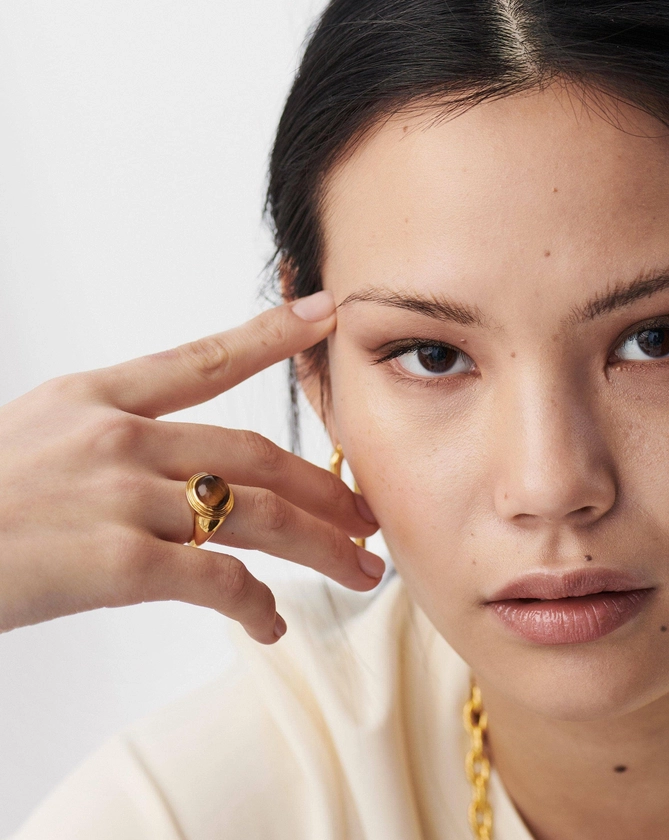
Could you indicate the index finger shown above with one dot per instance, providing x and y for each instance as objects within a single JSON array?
[{"x": 195, "y": 372}]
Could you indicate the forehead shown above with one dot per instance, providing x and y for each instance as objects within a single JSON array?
[{"x": 534, "y": 189}]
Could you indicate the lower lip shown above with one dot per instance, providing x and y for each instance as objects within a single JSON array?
[{"x": 566, "y": 621}]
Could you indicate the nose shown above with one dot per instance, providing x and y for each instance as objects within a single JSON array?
[{"x": 554, "y": 465}]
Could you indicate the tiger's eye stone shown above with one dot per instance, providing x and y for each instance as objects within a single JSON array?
[{"x": 212, "y": 491}]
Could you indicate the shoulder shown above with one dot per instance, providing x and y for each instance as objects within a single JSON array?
[{"x": 267, "y": 731}]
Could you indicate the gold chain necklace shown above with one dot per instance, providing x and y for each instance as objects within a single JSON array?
[{"x": 477, "y": 765}]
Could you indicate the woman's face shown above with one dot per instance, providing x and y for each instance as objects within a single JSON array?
[{"x": 540, "y": 442}]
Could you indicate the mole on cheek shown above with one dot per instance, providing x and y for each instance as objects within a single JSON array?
[
  {"x": 620, "y": 768},
  {"x": 663, "y": 629},
  {"x": 547, "y": 253},
  {"x": 588, "y": 557},
  {"x": 513, "y": 355}
]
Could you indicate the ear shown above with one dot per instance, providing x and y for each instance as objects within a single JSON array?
[
  {"x": 287, "y": 278},
  {"x": 315, "y": 391}
]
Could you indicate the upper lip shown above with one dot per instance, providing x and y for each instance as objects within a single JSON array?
[{"x": 571, "y": 584}]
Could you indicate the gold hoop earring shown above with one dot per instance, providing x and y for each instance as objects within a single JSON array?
[{"x": 336, "y": 461}]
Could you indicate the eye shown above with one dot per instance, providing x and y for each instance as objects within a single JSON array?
[
  {"x": 434, "y": 360},
  {"x": 649, "y": 343}
]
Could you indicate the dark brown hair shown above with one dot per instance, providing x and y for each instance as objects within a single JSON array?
[{"x": 366, "y": 59}]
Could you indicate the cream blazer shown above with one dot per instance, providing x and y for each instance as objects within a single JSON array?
[{"x": 349, "y": 728}]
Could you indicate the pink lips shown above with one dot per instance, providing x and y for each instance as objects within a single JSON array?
[{"x": 578, "y": 606}]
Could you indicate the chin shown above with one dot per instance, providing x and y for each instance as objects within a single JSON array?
[{"x": 580, "y": 682}]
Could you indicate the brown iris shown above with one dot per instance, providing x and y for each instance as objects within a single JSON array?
[
  {"x": 654, "y": 342},
  {"x": 437, "y": 359}
]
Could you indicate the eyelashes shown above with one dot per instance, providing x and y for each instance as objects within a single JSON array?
[{"x": 429, "y": 360}]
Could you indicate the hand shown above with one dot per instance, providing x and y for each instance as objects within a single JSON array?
[{"x": 93, "y": 511}]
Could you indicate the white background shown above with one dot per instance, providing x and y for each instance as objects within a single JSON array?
[{"x": 134, "y": 141}]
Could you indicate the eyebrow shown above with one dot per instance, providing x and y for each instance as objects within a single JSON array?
[
  {"x": 647, "y": 283},
  {"x": 438, "y": 307},
  {"x": 442, "y": 308}
]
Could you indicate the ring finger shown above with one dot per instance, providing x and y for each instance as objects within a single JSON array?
[{"x": 264, "y": 521}]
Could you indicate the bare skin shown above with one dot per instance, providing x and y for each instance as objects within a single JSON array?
[
  {"x": 85, "y": 457},
  {"x": 545, "y": 446}
]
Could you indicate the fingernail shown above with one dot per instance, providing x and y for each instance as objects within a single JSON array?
[
  {"x": 364, "y": 509},
  {"x": 315, "y": 307},
  {"x": 279, "y": 626},
  {"x": 372, "y": 565}
]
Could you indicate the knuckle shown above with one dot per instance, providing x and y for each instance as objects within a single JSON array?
[
  {"x": 263, "y": 606},
  {"x": 271, "y": 511},
  {"x": 67, "y": 388},
  {"x": 129, "y": 488},
  {"x": 131, "y": 559},
  {"x": 263, "y": 452},
  {"x": 271, "y": 331},
  {"x": 337, "y": 493},
  {"x": 339, "y": 545},
  {"x": 209, "y": 357},
  {"x": 116, "y": 433},
  {"x": 235, "y": 580}
]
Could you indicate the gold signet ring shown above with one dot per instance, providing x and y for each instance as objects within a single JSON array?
[{"x": 212, "y": 500}]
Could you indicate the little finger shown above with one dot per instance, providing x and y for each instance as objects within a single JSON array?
[{"x": 215, "y": 580}]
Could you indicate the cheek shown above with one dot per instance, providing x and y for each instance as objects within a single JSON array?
[
  {"x": 429, "y": 464},
  {"x": 418, "y": 458},
  {"x": 637, "y": 419}
]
